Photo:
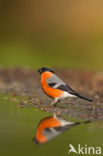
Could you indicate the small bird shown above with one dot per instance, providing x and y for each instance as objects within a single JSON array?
[
  {"x": 50, "y": 127},
  {"x": 56, "y": 88}
]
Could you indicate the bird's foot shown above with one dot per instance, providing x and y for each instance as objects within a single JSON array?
[{"x": 54, "y": 102}]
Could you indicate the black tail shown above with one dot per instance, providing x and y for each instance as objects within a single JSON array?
[
  {"x": 76, "y": 123},
  {"x": 82, "y": 97},
  {"x": 83, "y": 122}
]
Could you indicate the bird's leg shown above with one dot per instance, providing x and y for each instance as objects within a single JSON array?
[{"x": 54, "y": 102}]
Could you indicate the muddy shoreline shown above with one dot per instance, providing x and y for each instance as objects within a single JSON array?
[{"x": 26, "y": 82}]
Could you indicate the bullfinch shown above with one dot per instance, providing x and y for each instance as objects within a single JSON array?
[
  {"x": 56, "y": 88},
  {"x": 50, "y": 127}
]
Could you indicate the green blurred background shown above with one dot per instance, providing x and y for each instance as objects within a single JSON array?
[
  {"x": 56, "y": 33},
  {"x": 36, "y": 33}
]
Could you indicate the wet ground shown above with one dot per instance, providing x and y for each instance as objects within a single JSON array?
[{"x": 26, "y": 84}]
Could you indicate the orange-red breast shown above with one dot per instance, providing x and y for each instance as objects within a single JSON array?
[
  {"x": 50, "y": 127},
  {"x": 56, "y": 88}
]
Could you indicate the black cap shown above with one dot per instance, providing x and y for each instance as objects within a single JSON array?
[{"x": 41, "y": 70}]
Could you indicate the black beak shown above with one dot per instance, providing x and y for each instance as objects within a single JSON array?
[
  {"x": 39, "y": 70},
  {"x": 35, "y": 141}
]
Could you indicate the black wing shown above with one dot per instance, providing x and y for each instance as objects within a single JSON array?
[
  {"x": 68, "y": 89},
  {"x": 51, "y": 84},
  {"x": 71, "y": 91}
]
